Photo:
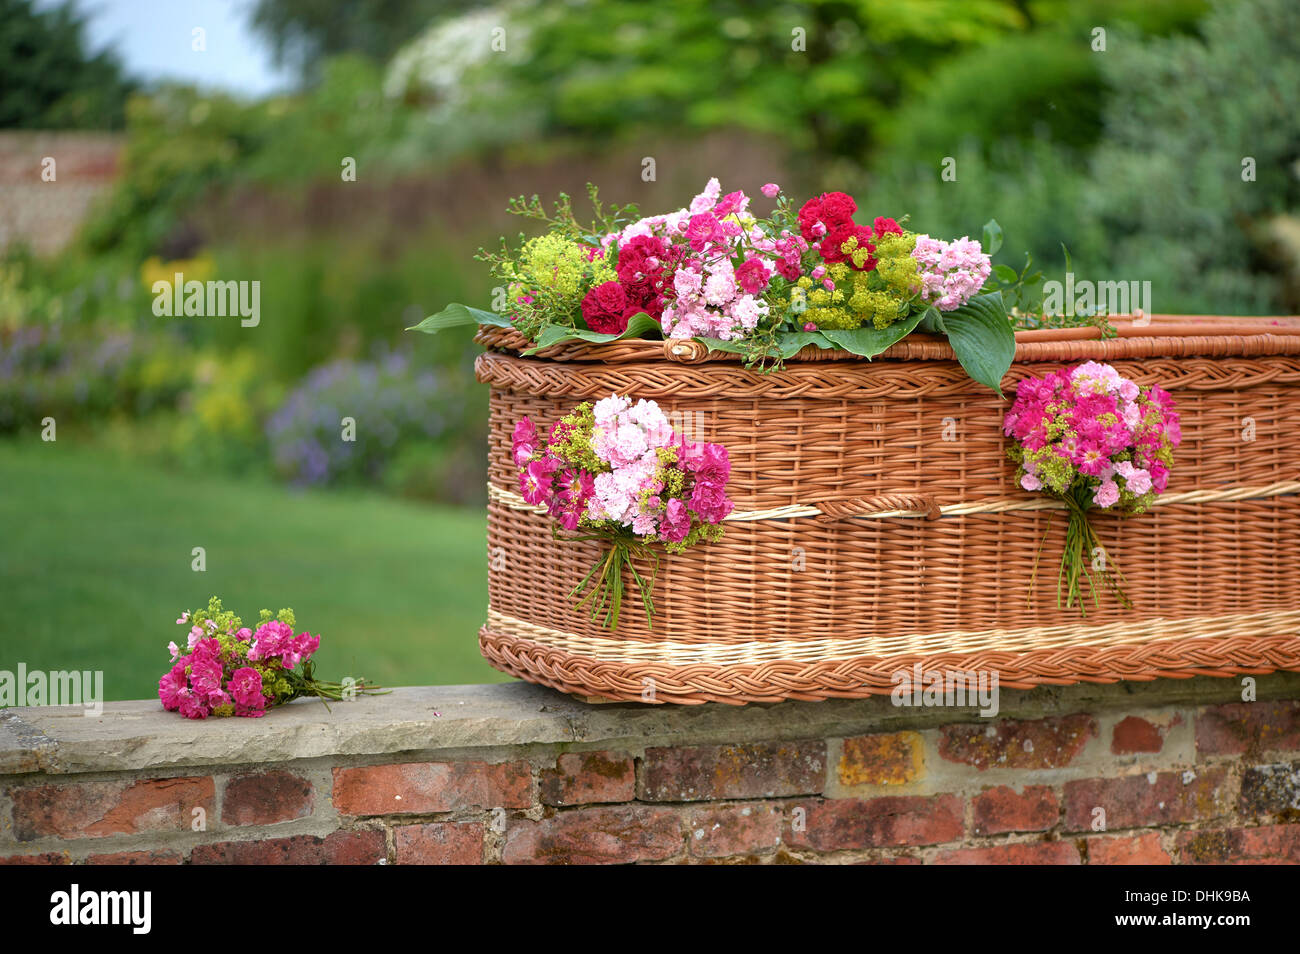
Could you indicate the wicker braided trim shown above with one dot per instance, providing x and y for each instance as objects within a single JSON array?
[
  {"x": 1073, "y": 635},
  {"x": 514, "y": 501},
  {"x": 858, "y": 380},
  {"x": 1237, "y": 649}
]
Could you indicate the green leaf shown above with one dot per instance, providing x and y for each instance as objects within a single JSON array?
[
  {"x": 457, "y": 315},
  {"x": 931, "y": 321},
  {"x": 870, "y": 341},
  {"x": 992, "y": 237},
  {"x": 982, "y": 338},
  {"x": 1005, "y": 273},
  {"x": 730, "y": 347},
  {"x": 792, "y": 342},
  {"x": 557, "y": 334},
  {"x": 789, "y": 343}
]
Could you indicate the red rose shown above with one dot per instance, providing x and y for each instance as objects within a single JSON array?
[
  {"x": 653, "y": 306},
  {"x": 642, "y": 267},
  {"x": 883, "y": 226},
  {"x": 832, "y": 246},
  {"x": 611, "y": 298},
  {"x": 837, "y": 209},
  {"x": 809, "y": 215},
  {"x": 603, "y": 308}
]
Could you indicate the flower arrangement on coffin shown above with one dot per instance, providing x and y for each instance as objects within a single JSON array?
[
  {"x": 618, "y": 473},
  {"x": 228, "y": 669},
  {"x": 1092, "y": 438},
  {"x": 760, "y": 287}
]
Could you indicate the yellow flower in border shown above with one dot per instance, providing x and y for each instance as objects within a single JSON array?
[{"x": 201, "y": 268}]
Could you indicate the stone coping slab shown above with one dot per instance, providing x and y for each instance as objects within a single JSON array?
[{"x": 136, "y": 735}]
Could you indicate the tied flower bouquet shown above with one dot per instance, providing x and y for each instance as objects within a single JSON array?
[
  {"x": 619, "y": 473},
  {"x": 763, "y": 287},
  {"x": 1092, "y": 438},
  {"x": 228, "y": 669}
]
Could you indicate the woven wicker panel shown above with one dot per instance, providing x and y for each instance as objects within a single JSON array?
[{"x": 833, "y": 601}]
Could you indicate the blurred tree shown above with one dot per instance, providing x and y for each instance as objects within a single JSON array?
[
  {"x": 1198, "y": 181},
  {"x": 48, "y": 77},
  {"x": 821, "y": 74},
  {"x": 1046, "y": 83},
  {"x": 303, "y": 33}
]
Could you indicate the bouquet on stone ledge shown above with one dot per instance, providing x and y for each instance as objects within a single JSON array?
[
  {"x": 1092, "y": 438},
  {"x": 761, "y": 286},
  {"x": 618, "y": 473},
  {"x": 228, "y": 669}
]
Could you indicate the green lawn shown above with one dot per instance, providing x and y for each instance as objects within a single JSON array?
[{"x": 95, "y": 566}]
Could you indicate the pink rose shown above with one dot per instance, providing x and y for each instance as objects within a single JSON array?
[
  {"x": 271, "y": 640},
  {"x": 205, "y": 675},
  {"x": 171, "y": 685},
  {"x": 752, "y": 276},
  {"x": 676, "y": 523},
  {"x": 523, "y": 441},
  {"x": 770, "y": 189},
  {"x": 245, "y": 688},
  {"x": 535, "y": 481},
  {"x": 1107, "y": 494},
  {"x": 709, "y": 501},
  {"x": 193, "y": 705},
  {"x": 701, "y": 230}
]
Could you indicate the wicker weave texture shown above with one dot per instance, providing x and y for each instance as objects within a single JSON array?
[{"x": 831, "y": 605}]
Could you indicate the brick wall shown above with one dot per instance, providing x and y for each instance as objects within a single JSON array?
[
  {"x": 47, "y": 214},
  {"x": 1163, "y": 773}
]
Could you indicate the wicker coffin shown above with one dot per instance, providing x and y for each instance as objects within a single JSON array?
[{"x": 878, "y": 526}]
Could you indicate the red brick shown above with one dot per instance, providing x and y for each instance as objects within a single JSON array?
[
  {"x": 618, "y": 835},
  {"x": 717, "y": 831},
  {"x": 842, "y": 824},
  {"x": 136, "y": 858},
  {"x": 585, "y": 778},
  {"x": 1136, "y": 801},
  {"x": 47, "y": 858},
  {"x": 336, "y": 848},
  {"x": 440, "y": 843},
  {"x": 1253, "y": 727},
  {"x": 1002, "y": 809},
  {"x": 1039, "y": 744},
  {"x": 1034, "y": 853},
  {"x": 754, "y": 770},
  {"x": 1270, "y": 844},
  {"x": 1141, "y": 849},
  {"x": 266, "y": 798},
  {"x": 419, "y": 787},
  {"x": 1133, "y": 735},
  {"x": 96, "y": 809},
  {"x": 890, "y": 860},
  {"x": 892, "y": 758}
]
